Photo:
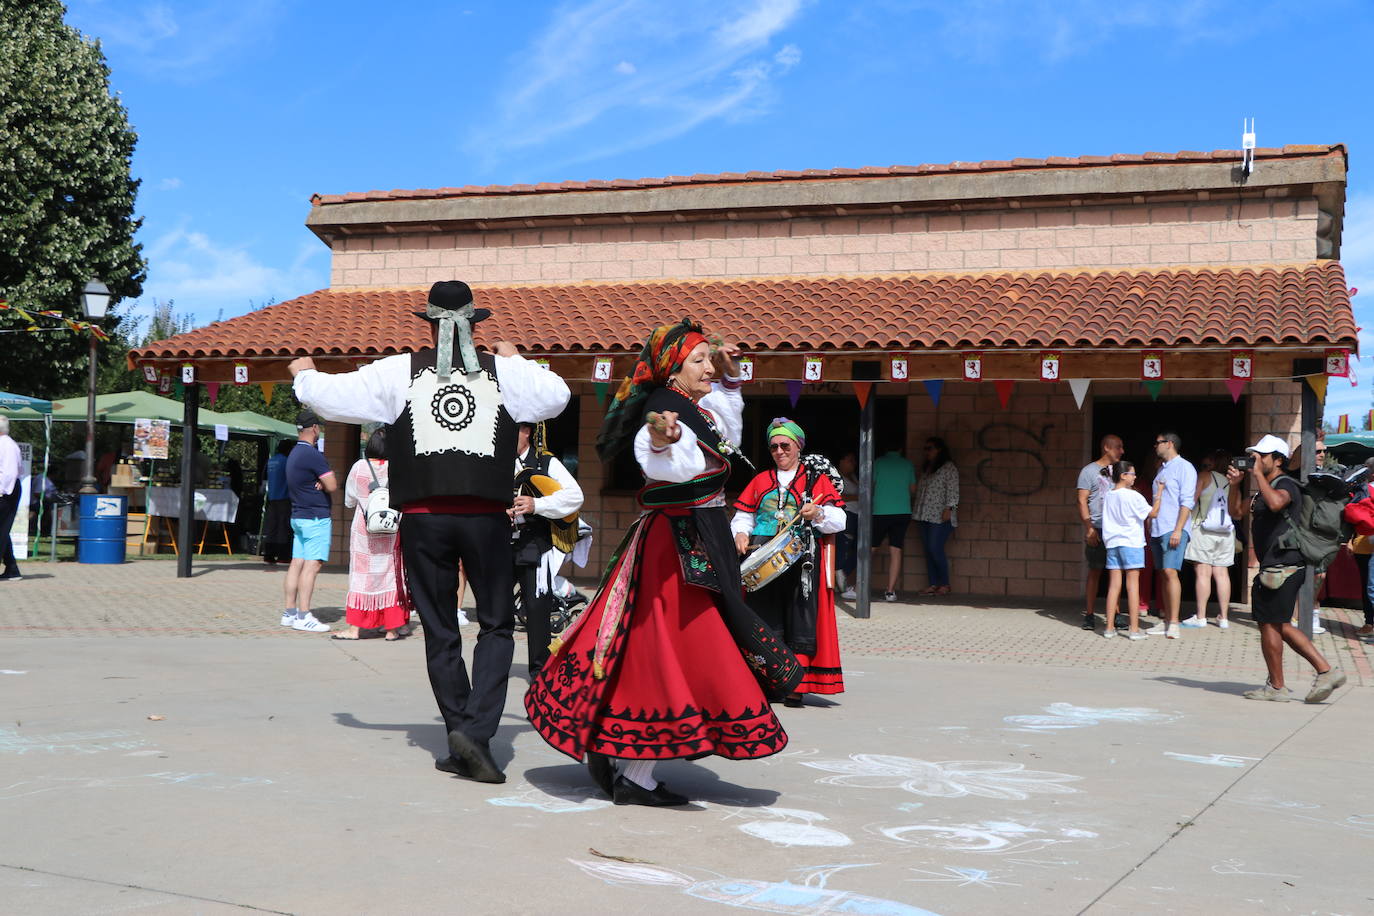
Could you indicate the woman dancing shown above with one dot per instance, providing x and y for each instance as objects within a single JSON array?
[{"x": 668, "y": 661}]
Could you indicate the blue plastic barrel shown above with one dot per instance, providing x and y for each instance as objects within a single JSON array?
[{"x": 102, "y": 529}]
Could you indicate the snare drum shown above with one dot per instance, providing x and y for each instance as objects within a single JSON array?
[{"x": 773, "y": 558}]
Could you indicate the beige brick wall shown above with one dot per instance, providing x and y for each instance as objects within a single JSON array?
[
  {"x": 1015, "y": 546},
  {"x": 1260, "y": 231}
]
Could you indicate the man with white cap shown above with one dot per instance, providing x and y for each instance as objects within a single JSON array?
[{"x": 1273, "y": 509}]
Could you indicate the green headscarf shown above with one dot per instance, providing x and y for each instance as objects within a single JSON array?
[{"x": 781, "y": 426}]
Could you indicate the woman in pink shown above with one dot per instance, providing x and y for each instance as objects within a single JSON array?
[{"x": 374, "y": 593}]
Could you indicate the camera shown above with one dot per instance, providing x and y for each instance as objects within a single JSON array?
[{"x": 1243, "y": 462}]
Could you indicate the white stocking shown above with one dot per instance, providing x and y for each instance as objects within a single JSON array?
[{"x": 641, "y": 773}]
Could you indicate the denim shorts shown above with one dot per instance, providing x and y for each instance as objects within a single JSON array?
[
  {"x": 1167, "y": 557},
  {"x": 310, "y": 539},
  {"x": 1125, "y": 558}
]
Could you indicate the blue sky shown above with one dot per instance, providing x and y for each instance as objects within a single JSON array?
[{"x": 244, "y": 108}]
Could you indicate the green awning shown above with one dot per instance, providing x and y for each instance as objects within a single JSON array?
[{"x": 128, "y": 406}]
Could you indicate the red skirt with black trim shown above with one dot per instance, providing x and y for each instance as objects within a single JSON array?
[
  {"x": 823, "y": 671},
  {"x": 675, "y": 683}
]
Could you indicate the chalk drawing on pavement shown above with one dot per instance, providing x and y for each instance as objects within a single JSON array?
[
  {"x": 540, "y": 800},
  {"x": 996, "y": 837},
  {"x": 11, "y": 671},
  {"x": 1237, "y": 867},
  {"x": 208, "y": 781},
  {"x": 794, "y": 828},
  {"x": 959, "y": 877},
  {"x": 751, "y": 894},
  {"x": 943, "y": 779},
  {"x": 92, "y": 742},
  {"x": 1216, "y": 760},
  {"x": 1065, "y": 715}
]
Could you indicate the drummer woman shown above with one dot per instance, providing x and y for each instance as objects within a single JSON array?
[
  {"x": 655, "y": 668},
  {"x": 799, "y": 604}
]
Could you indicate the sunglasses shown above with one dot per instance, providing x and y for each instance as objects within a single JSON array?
[{"x": 780, "y": 446}]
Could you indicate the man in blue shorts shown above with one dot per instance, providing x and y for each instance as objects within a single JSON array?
[
  {"x": 310, "y": 482},
  {"x": 1169, "y": 529}
]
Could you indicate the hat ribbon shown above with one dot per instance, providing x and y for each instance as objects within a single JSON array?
[{"x": 459, "y": 319}]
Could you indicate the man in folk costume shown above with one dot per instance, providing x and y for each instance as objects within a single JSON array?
[
  {"x": 533, "y": 514},
  {"x": 451, "y": 441},
  {"x": 667, "y": 661},
  {"x": 799, "y": 494}
]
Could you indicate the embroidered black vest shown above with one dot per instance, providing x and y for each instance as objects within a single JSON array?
[
  {"x": 700, "y": 489},
  {"x": 454, "y": 438}
]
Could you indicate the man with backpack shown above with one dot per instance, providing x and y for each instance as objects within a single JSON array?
[{"x": 1275, "y": 511}]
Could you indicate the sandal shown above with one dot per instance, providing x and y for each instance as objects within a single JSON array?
[
  {"x": 942, "y": 590},
  {"x": 928, "y": 591},
  {"x": 343, "y": 638}
]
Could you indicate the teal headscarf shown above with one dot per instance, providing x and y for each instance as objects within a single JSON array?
[{"x": 781, "y": 426}]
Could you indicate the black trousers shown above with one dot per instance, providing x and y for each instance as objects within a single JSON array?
[
  {"x": 432, "y": 546},
  {"x": 9, "y": 507},
  {"x": 538, "y": 609}
]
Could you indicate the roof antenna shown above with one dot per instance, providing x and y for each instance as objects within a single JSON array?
[{"x": 1247, "y": 145}]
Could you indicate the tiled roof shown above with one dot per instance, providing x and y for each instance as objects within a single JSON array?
[
  {"x": 1304, "y": 303},
  {"x": 991, "y": 165}
]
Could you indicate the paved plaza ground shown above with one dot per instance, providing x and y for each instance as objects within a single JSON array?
[{"x": 166, "y": 747}]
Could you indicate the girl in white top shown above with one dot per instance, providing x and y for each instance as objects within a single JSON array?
[{"x": 1124, "y": 512}]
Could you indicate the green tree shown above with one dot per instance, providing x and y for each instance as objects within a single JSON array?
[{"x": 66, "y": 198}]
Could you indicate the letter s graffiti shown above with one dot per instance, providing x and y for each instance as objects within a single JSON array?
[{"x": 1020, "y": 476}]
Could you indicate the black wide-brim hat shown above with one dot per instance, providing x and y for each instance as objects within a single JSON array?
[{"x": 453, "y": 294}]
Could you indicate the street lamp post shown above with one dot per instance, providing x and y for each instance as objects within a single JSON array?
[{"x": 95, "y": 299}]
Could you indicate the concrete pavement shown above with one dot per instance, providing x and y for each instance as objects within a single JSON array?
[{"x": 984, "y": 759}]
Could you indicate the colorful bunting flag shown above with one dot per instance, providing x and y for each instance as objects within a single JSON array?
[
  {"x": 1338, "y": 363},
  {"x": 150, "y": 374},
  {"x": 32, "y": 316},
  {"x": 1004, "y": 388},
  {"x": 746, "y": 368},
  {"x": 188, "y": 373},
  {"x": 601, "y": 369},
  {"x": 933, "y": 388},
  {"x": 794, "y": 389},
  {"x": 164, "y": 385},
  {"x": 601, "y": 389},
  {"x": 1343, "y": 423},
  {"x": 1079, "y": 387},
  {"x": 1235, "y": 386},
  {"x": 814, "y": 370},
  {"x": 861, "y": 391},
  {"x": 1151, "y": 365},
  {"x": 268, "y": 389},
  {"x": 1242, "y": 364},
  {"x": 213, "y": 389},
  {"x": 1318, "y": 384},
  {"x": 240, "y": 373},
  {"x": 1049, "y": 367},
  {"x": 899, "y": 368},
  {"x": 973, "y": 367},
  {"x": 1154, "y": 386}
]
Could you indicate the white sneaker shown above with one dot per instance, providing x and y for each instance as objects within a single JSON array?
[
  {"x": 1317, "y": 630},
  {"x": 309, "y": 624},
  {"x": 850, "y": 595},
  {"x": 1224, "y": 624},
  {"x": 889, "y": 596},
  {"x": 1171, "y": 632},
  {"x": 1109, "y": 633},
  {"x": 288, "y": 619},
  {"x": 1158, "y": 629},
  {"x": 463, "y": 618},
  {"x": 1136, "y": 635}
]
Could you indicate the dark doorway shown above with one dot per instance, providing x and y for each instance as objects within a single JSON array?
[{"x": 1204, "y": 424}]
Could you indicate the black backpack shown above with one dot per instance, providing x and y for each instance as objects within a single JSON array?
[{"x": 1321, "y": 528}]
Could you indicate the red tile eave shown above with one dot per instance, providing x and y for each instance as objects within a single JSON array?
[
  {"x": 1121, "y": 160},
  {"x": 1305, "y": 305}
]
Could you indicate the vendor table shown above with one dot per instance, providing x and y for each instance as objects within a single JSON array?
[{"x": 219, "y": 506}]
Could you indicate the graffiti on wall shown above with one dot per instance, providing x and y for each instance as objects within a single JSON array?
[{"x": 1014, "y": 462}]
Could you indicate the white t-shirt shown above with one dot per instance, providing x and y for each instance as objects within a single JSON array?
[{"x": 1123, "y": 511}]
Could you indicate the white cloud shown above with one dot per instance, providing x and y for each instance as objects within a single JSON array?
[
  {"x": 169, "y": 184},
  {"x": 185, "y": 41},
  {"x": 575, "y": 84},
  {"x": 205, "y": 276}
]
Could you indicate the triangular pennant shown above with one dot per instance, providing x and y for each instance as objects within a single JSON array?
[
  {"x": 1004, "y": 388},
  {"x": 933, "y": 388},
  {"x": 601, "y": 389},
  {"x": 1343, "y": 424},
  {"x": 861, "y": 391},
  {"x": 1079, "y": 387},
  {"x": 1235, "y": 386},
  {"x": 213, "y": 389},
  {"x": 268, "y": 389},
  {"x": 794, "y": 389},
  {"x": 1318, "y": 383},
  {"x": 1154, "y": 386},
  {"x": 180, "y": 390}
]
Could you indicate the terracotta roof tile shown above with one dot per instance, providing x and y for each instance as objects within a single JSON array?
[
  {"x": 993, "y": 165},
  {"x": 1304, "y": 304}
]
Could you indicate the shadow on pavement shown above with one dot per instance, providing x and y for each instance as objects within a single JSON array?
[
  {"x": 571, "y": 783},
  {"x": 428, "y": 735},
  {"x": 1231, "y": 687}
]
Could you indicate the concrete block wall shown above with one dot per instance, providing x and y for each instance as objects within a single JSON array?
[{"x": 1248, "y": 232}]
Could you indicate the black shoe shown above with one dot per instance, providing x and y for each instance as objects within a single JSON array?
[
  {"x": 794, "y": 700},
  {"x": 477, "y": 756},
  {"x": 455, "y": 765},
  {"x": 1089, "y": 622},
  {"x": 12, "y": 576},
  {"x": 602, "y": 772},
  {"x": 632, "y": 793}
]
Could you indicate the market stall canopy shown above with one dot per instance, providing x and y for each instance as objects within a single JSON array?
[
  {"x": 128, "y": 406},
  {"x": 1351, "y": 448},
  {"x": 1280, "y": 311},
  {"x": 20, "y": 407}
]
